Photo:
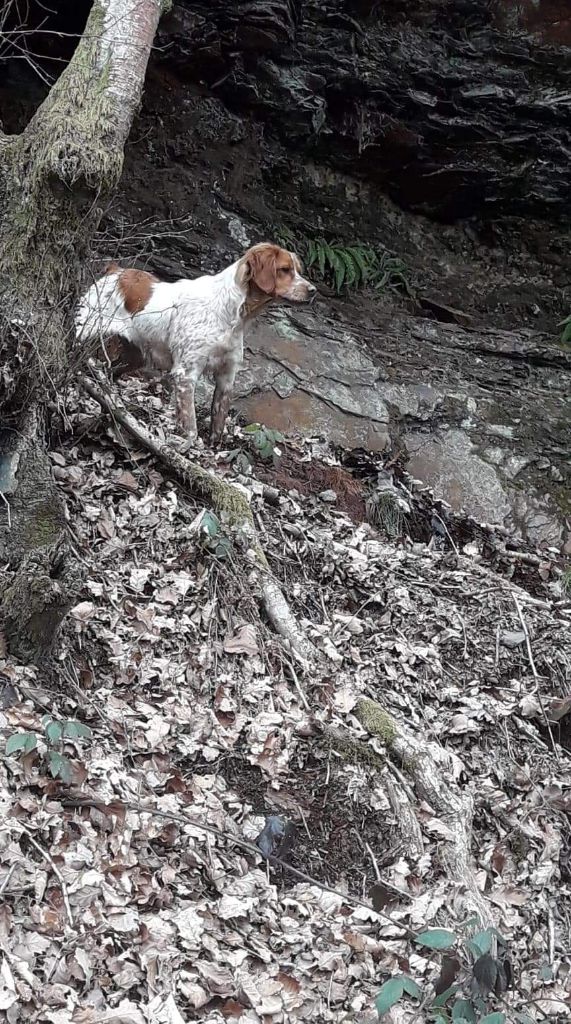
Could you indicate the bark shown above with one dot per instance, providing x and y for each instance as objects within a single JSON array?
[{"x": 54, "y": 178}]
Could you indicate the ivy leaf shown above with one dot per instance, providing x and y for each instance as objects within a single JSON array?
[
  {"x": 389, "y": 994},
  {"x": 482, "y": 941},
  {"x": 210, "y": 524},
  {"x": 486, "y": 973},
  {"x": 443, "y": 997},
  {"x": 59, "y": 765},
  {"x": 493, "y": 1018},
  {"x": 410, "y": 987},
  {"x": 25, "y": 741},
  {"x": 73, "y": 729},
  {"x": 463, "y": 1010},
  {"x": 436, "y": 938},
  {"x": 251, "y": 428},
  {"x": 54, "y": 732}
]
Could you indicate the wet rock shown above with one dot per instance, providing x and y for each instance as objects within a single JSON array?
[{"x": 453, "y": 114}]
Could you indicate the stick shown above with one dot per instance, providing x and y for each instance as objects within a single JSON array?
[
  {"x": 222, "y": 496},
  {"x": 100, "y": 806},
  {"x": 536, "y": 677},
  {"x": 43, "y": 853}
]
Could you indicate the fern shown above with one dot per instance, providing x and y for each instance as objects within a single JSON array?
[
  {"x": 349, "y": 267},
  {"x": 566, "y": 332}
]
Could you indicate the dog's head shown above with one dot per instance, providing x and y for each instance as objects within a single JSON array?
[{"x": 272, "y": 272}]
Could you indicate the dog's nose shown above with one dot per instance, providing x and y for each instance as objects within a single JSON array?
[{"x": 311, "y": 292}]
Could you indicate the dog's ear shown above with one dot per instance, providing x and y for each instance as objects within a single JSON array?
[{"x": 258, "y": 266}]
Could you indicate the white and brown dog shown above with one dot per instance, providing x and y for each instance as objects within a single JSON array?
[{"x": 191, "y": 327}]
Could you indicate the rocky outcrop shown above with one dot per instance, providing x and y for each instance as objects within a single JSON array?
[{"x": 455, "y": 108}]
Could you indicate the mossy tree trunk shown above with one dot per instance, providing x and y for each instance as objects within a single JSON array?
[{"x": 54, "y": 178}]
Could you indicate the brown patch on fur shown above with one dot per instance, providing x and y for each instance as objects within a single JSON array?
[
  {"x": 136, "y": 287},
  {"x": 269, "y": 269},
  {"x": 309, "y": 478},
  {"x": 112, "y": 268}
]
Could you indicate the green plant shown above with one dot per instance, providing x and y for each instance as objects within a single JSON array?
[
  {"x": 470, "y": 976},
  {"x": 214, "y": 540},
  {"x": 566, "y": 332},
  {"x": 384, "y": 511},
  {"x": 262, "y": 444},
  {"x": 351, "y": 266},
  {"x": 52, "y": 751}
]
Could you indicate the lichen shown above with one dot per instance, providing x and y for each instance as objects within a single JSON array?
[
  {"x": 376, "y": 720},
  {"x": 43, "y": 527}
]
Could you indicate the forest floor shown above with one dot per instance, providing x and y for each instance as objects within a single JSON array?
[{"x": 132, "y": 888}]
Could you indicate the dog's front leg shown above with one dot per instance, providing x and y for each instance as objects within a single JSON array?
[
  {"x": 221, "y": 400},
  {"x": 185, "y": 384}
]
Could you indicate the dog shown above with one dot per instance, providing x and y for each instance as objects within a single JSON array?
[{"x": 195, "y": 326}]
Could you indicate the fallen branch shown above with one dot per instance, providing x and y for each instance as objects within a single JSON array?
[
  {"x": 454, "y": 807},
  {"x": 227, "y": 501}
]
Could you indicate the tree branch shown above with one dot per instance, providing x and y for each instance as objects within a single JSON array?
[
  {"x": 83, "y": 123},
  {"x": 224, "y": 497}
]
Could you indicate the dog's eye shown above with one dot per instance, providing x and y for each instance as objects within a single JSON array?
[{"x": 283, "y": 270}]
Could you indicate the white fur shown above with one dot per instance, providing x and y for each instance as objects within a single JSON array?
[{"x": 189, "y": 327}]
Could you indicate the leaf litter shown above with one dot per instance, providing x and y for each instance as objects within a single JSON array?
[{"x": 118, "y": 907}]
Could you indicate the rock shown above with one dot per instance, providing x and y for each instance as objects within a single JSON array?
[
  {"x": 452, "y": 114},
  {"x": 328, "y": 496}
]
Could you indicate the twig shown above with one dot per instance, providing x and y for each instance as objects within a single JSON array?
[
  {"x": 244, "y": 844},
  {"x": 7, "y": 877},
  {"x": 440, "y": 520},
  {"x": 7, "y": 504},
  {"x": 297, "y": 685},
  {"x": 44, "y": 853},
  {"x": 536, "y": 677}
]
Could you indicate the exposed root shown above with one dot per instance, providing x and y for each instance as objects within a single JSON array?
[
  {"x": 226, "y": 500},
  {"x": 454, "y": 807}
]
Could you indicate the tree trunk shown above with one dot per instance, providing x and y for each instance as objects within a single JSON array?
[{"x": 54, "y": 178}]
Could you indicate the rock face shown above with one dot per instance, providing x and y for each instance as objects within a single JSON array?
[
  {"x": 455, "y": 108},
  {"x": 440, "y": 129},
  {"x": 467, "y": 428}
]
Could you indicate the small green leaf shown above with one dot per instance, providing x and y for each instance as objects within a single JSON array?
[
  {"x": 436, "y": 938},
  {"x": 389, "y": 994},
  {"x": 482, "y": 941},
  {"x": 251, "y": 428},
  {"x": 463, "y": 1010},
  {"x": 410, "y": 987},
  {"x": 54, "y": 732},
  {"x": 59, "y": 765},
  {"x": 494, "y": 1018},
  {"x": 210, "y": 524},
  {"x": 73, "y": 729},
  {"x": 25, "y": 741},
  {"x": 443, "y": 998},
  {"x": 546, "y": 973}
]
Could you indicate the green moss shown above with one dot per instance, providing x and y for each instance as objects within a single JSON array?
[
  {"x": 354, "y": 752},
  {"x": 376, "y": 720}
]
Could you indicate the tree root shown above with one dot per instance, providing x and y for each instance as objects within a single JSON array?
[
  {"x": 455, "y": 808},
  {"x": 39, "y": 578},
  {"x": 223, "y": 497}
]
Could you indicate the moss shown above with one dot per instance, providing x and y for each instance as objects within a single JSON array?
[
  {"x": 376, "y": 720},
  {"x": 354, "y": 752},
  {"x": 166, "y": 6}
]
